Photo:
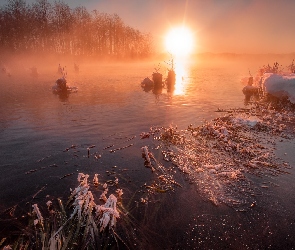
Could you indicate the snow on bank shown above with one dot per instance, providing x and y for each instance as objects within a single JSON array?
[{"x": 280, "y": 85}]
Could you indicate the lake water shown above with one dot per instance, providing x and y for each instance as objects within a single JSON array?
[{"x": 44, "y": 141}]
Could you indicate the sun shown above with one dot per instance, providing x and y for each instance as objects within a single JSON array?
[{"x": 179, "y": 41}]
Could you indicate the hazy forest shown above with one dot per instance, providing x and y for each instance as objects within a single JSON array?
[{"x": 43, "y": 27}]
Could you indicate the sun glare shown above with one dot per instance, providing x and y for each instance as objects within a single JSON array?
[{"x": 179, "y": 41}]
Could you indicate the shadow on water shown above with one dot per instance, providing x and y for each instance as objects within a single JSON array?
[
  {"x": 63, "y": 96},
  {"x": 157, "y": 90}
]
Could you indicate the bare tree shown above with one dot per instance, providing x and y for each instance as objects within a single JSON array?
[
  {"x": 42, "y": 32},
  {"x": 56, "y": 28}
]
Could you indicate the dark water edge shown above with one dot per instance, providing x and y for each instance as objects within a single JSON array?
[
  {"x": 175, "y": 220},
  {"x": 43, "y": 149}
]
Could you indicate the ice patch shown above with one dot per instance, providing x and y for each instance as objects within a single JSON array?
[{"x": 249, "y": 121}]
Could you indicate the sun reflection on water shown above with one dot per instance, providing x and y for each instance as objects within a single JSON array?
[{"x": 181, "y": 71}]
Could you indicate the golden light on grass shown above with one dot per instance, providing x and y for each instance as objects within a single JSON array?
[{"x": 179, "y": 41}]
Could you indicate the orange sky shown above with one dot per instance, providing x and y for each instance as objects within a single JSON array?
[
  {"x": 234, "y": 26},
  {"x": 237, "y": 26}
]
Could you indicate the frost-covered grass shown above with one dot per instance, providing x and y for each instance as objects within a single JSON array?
[
  {"x": 219, "y": 155},
  {"x": 86, "y": 226}
]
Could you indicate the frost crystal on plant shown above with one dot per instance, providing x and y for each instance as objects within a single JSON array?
[
  {"x": 39, "y": 216},
  {"x": 108, "y": 213},
  {"x": 95, "y": 180}
]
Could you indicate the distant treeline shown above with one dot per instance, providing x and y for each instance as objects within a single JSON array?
[{"x": 56, "y": 28}]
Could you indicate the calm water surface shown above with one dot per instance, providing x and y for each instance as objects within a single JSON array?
[{"x": 38, "y": 129}]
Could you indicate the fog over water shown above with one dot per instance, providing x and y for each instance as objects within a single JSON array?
[{"x": 45, "y": 138}]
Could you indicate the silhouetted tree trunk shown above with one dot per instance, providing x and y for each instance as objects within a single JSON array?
[
  {"x": 42, "y": 12},
  {"x": 56, "y": 28},
  {"x": 16, "y": 24},
  {"x": 62, "y": 24}
]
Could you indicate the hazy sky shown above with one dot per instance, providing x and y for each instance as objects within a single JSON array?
[{"x": 238, "y": 26}]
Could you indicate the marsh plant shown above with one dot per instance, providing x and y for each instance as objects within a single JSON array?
[{"x": 88, "y": 225}]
